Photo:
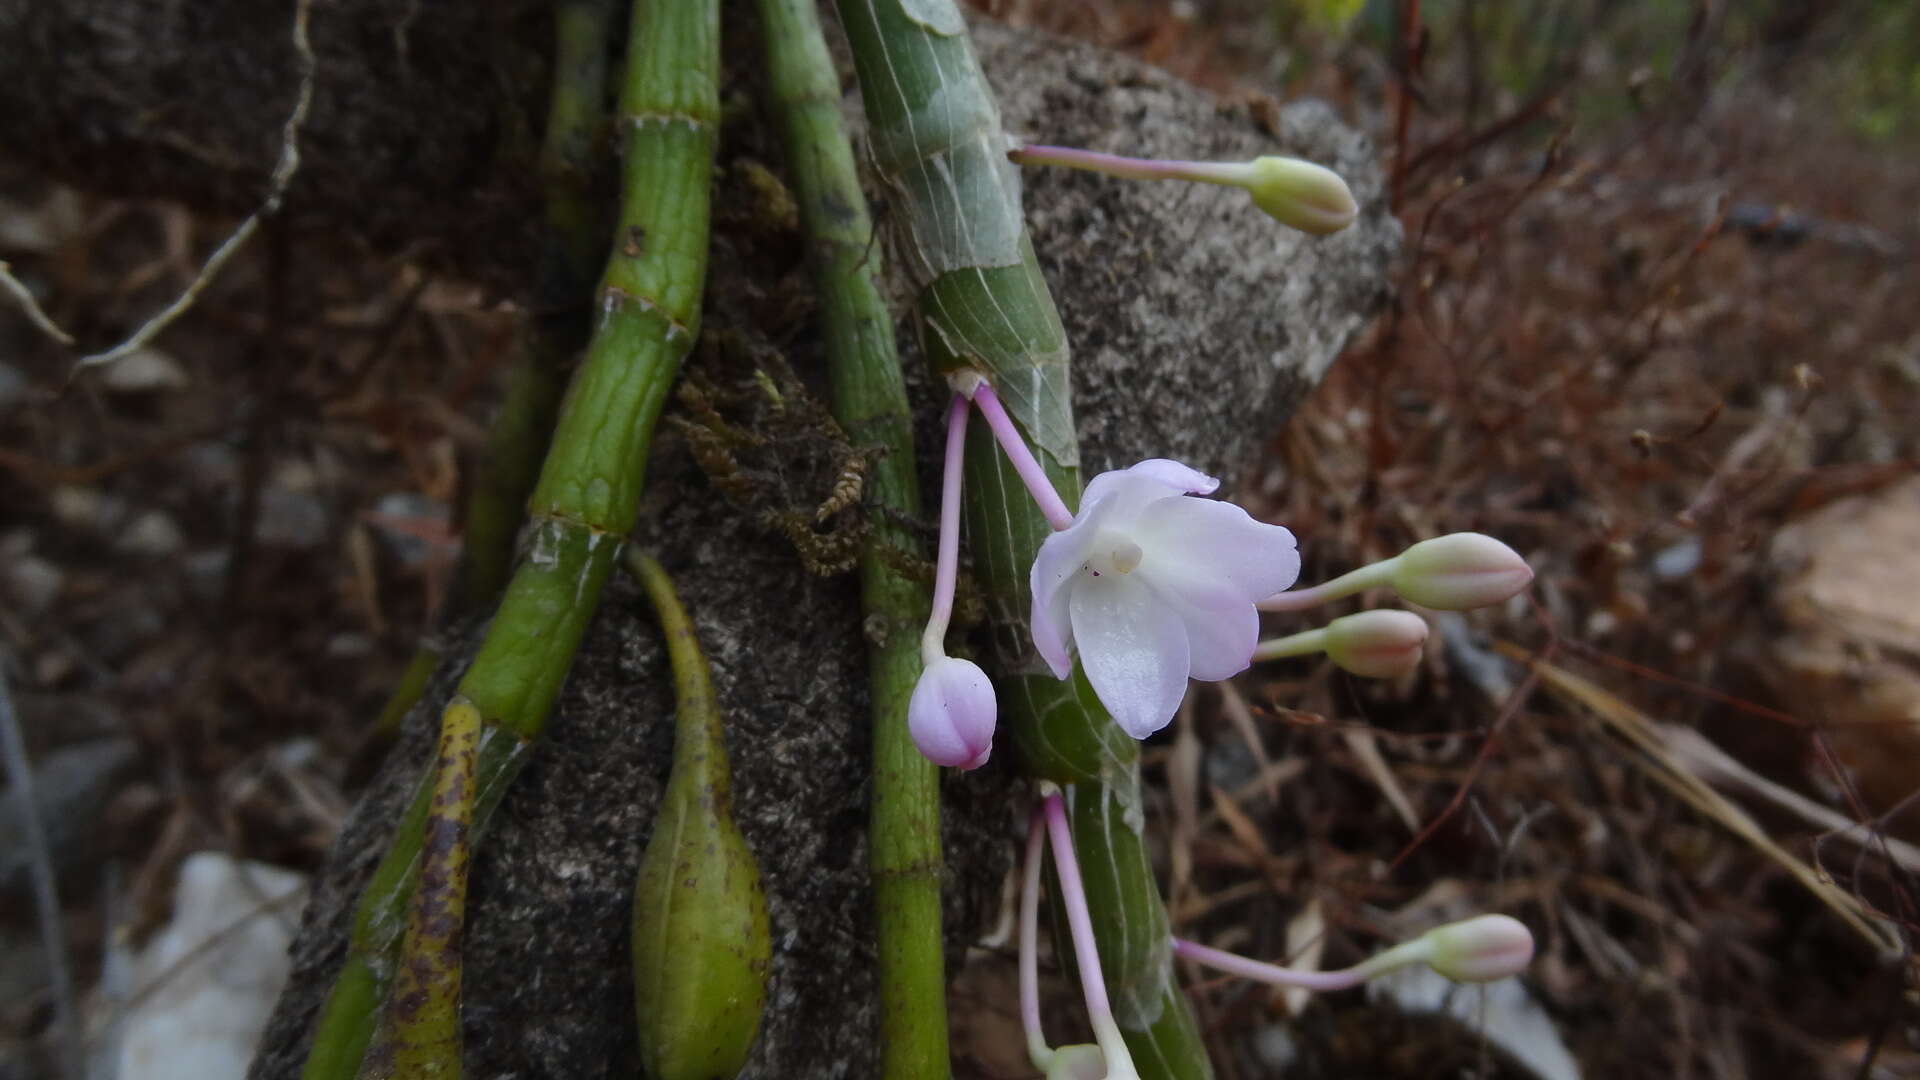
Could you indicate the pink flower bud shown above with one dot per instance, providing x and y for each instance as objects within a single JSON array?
[
  {"x": 1459, "y": 572},
  {"x": 951, "y": 713},
  {"x": 1377, "y": 644},
  {"x": 1480, "y": 949},
  {"x": 1309, "y": 197}
]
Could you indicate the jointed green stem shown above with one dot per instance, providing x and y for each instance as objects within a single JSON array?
[
  {"x": 937, "y": 144},
  {"x": 419, "y": 1035},
  {"x": 870, "y": 401},
  {"x": 573, "y": 245},
  {"x": 647, "y": 314}
]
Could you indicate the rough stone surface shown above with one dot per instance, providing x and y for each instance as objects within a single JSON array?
[{"x": 1197, "y": 324}]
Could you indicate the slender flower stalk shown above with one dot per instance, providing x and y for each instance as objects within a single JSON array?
[
  {"x": 1037, "y": 1049},
  {"x": 1235, "y": 964},
  {"x": 946, "y": 567},
  {"x": 1014, "y": 445},
  {"x": 1309, "y": 197},
  {"x": 1073, "y": 897},
  {"x": 1480, "y": 949},
  {"x": 1456, "y": 572},
  {"x": 951, "y": 715}
]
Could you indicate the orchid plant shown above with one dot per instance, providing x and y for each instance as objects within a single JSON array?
[
  {"x": 1149, "y": 583},
  {"x": 1152, "y": 584}
]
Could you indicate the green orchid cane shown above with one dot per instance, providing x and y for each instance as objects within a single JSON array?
[
  {"x": 646, "y": 318},
  {"x": 870, "y": 402}
]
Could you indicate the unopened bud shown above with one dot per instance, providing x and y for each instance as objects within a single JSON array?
[
  {"x": 1309, "y": 197},
  {"x": 1377, "y": 644},
  {"x": 951, "y": 714},
  {"x": 1480, "y": 949},
  {"x": 1459, "y": 572}
]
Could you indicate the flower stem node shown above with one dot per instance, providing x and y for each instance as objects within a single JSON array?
[
  {"x": 1381, "y": 644},
  {"x": 1153, "y": 586},
  {"x": 1459, "y": 572},
  {"x": 951, "y": 714},
  {"x": 1081, "y": 1061}
]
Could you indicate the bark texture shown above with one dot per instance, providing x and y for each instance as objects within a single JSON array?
[{"x": 1197, "y": 324}]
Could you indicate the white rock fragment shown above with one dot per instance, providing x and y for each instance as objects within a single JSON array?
[
  {"x": 154, "y": 533},
  {"x": 204, "y": 985},
  {"x": 1502, "y": 1012},
  {"x": 145, "y": 371},
  {"x": 31, "y": 583}
]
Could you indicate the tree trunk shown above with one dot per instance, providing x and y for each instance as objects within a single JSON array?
[{"x": 1197, "y": 325}]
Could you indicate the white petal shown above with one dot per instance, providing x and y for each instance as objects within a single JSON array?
[
  {"x": 1188, "y": 538},
  {"x": 1222, "y": 626},
  {"x": 1134, "y": 650}
]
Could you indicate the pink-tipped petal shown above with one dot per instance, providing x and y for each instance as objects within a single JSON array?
[
  {"x": 1128, "y": 491},
  {"x": 1377, "y": 644},
  {"x": 1134, "y": 650},
  {"x": 1183, "y": 478},
  {"x": 951, "y": 714},
  {"x": 1222, "y": 628},
  {"x": 1185, "y": 537},
  {"x": 1460, "y": 572},
  {"x": 1480, "y": 949}
]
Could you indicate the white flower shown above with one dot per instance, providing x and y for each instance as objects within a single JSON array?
[{"x": 1153, "y": 587}]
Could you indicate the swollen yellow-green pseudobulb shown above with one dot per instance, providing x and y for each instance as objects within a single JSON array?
[{"x": 700, "y": 943}]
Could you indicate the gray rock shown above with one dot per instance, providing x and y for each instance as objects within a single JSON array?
[
  {"x": 153, "y": 534},
  {"x": 291, "y": 519},
  {"x": 70, "y": 786}
]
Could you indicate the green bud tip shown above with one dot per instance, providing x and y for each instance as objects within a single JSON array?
[
  {"x": 1309, "y": 197},
  {"x": 1480, "y": 949},
  {"x": 1459, "y": 572}
]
